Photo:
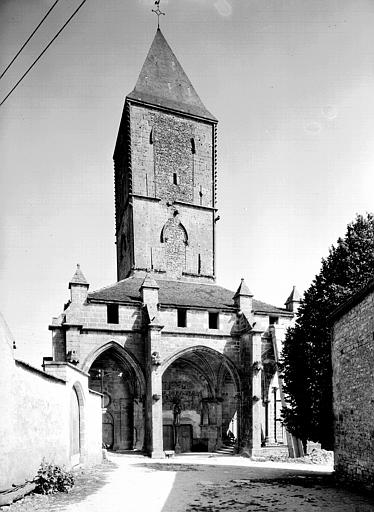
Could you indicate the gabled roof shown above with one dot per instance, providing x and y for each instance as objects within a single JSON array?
[
  {"x": 179, "y": 294},
  {"x": 162, "y": 82}
]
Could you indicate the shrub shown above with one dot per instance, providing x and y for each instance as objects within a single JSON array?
[{"x": 52, "y": 478}]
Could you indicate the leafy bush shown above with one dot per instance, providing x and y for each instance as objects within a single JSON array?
[{"x": 51, "y": 479}]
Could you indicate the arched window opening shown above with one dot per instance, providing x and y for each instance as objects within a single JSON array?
[
  {"x": 123, "y": 244},
  {"x": 193, "y": 147},
  {"x": 151, "y": 136},
  {"x": 175, "y": 178},
  {"x": 169, "y": 229}
]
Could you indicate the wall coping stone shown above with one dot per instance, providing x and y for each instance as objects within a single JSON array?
[
  {"x": 69, "y": 365},
  {"x": 352, "y": 301},
  {"x": 41, "y": 373}
]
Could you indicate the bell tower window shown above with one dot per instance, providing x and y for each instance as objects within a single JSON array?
[{"x": 193, "y": 147}]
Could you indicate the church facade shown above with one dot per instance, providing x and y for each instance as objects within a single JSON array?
[{"x": 182, "y": 364}]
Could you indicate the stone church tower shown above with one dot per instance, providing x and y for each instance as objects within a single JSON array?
[
  {"x": 165, "y": 174},
  {"x": 181, "y": 363}
]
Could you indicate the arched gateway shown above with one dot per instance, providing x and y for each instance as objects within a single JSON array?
[
  {"x": 117, "y": 376},
  {"x": 178, "y": 360},
  {"x": 200, "y": 399}
]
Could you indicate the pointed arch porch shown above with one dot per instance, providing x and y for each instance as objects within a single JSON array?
[
  {"x": 118, "y": 376},
  {"x": 201, "y": 392},
  {"x": 124, "y": 356}
]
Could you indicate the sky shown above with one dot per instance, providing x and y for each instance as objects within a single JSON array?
[{"x": 291, "y": 83}]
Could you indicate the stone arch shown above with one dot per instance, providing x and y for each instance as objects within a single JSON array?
[
  {"x": 124, "y": 356},
  {"x": 174, "y": 240},
  {"x": 208, "y": 374},
  {"x": 169, "y": 225},
  {"x": 117, "y": 375},
  {"x": 225, "y": 360},
  {"x": 77, "y": 424}
]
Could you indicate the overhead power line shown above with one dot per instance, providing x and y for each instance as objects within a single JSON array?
[
  {"x": 43, "y": 52},
  {"x": 19, "y": 51}
]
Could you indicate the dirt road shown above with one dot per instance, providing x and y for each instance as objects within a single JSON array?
[{"x": 204, "y": 483}]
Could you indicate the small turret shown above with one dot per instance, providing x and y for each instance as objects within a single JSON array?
[
  {"x": 78, "y": 287},
  {"x": 293, "y": 302},
  {"x": 243, "y": 299},
  {"x": 149, "y": 293}
]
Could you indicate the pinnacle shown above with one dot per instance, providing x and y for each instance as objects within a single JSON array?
[
  {"x": 294, "y": 296},
  {"x": 243, "y": 289},
  {"x": 78, "y": 277},
  {"x": 149, "y": 282}
]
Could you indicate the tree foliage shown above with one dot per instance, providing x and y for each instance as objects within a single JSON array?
[{"x": 306, "y": 356}]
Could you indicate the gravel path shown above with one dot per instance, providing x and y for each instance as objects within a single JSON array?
[{"x": 204, "y": 483}]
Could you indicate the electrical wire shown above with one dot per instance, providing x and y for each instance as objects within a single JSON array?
[
  {"x": 31, "y": 35},
  {"x": 42, "y": 53}
]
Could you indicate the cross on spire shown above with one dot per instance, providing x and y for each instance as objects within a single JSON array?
[{"x": 158, "y": 12}]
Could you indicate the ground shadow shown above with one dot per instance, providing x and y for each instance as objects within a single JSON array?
[{"x": 220, "y": 488}]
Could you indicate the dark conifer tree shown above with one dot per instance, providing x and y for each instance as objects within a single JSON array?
[{"x": 306, "y": 356}]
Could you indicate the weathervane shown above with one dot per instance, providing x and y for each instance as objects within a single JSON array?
[{"x": 158, "y": 12}]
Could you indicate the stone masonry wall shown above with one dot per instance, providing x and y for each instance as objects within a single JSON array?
[
  {"x": 172, "y": 179},
  {"x": 162, "y": 145},
  {"x": 353, "y": 391},
  {"x": 195, "y": 256}
]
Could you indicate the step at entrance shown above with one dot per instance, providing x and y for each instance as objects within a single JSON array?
[{"x": 225, "y": 450}]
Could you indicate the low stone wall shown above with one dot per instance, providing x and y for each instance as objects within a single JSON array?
[
  {"x": 353, "y": 389},
  {"x": 35, "y": 410}
]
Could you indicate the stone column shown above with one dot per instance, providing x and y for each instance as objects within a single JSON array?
[
  {"x": 219, "y": 423},
  {"x": 154, "y": 393},
  {"x": 157, "y": 427},
  {"x": 256, "y": 392},
  {"x": 154, "y": 432},
  {"x": 239, "y": 413}
]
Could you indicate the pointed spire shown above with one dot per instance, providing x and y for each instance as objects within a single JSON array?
[
  {"x": 293, "y": 301},
  {"x": 243, "y": 290},
  {"x": 243, "y": 300},
  {"x": 163, "y": 82},
  {"x": 78, "y": 278},
  {"x": 149, "y": 282}
]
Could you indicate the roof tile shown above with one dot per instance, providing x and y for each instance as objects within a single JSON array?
[
  {"x": 179, "y": 294},
  {"x": 163, "y": 82}
]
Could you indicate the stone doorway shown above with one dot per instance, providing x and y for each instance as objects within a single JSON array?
[
  {"x": 185, "y": 438},
  {"x": 108, "y": 430},
  {"x": 168, "y": 437},
  {"x": 75, "y": 428}
]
